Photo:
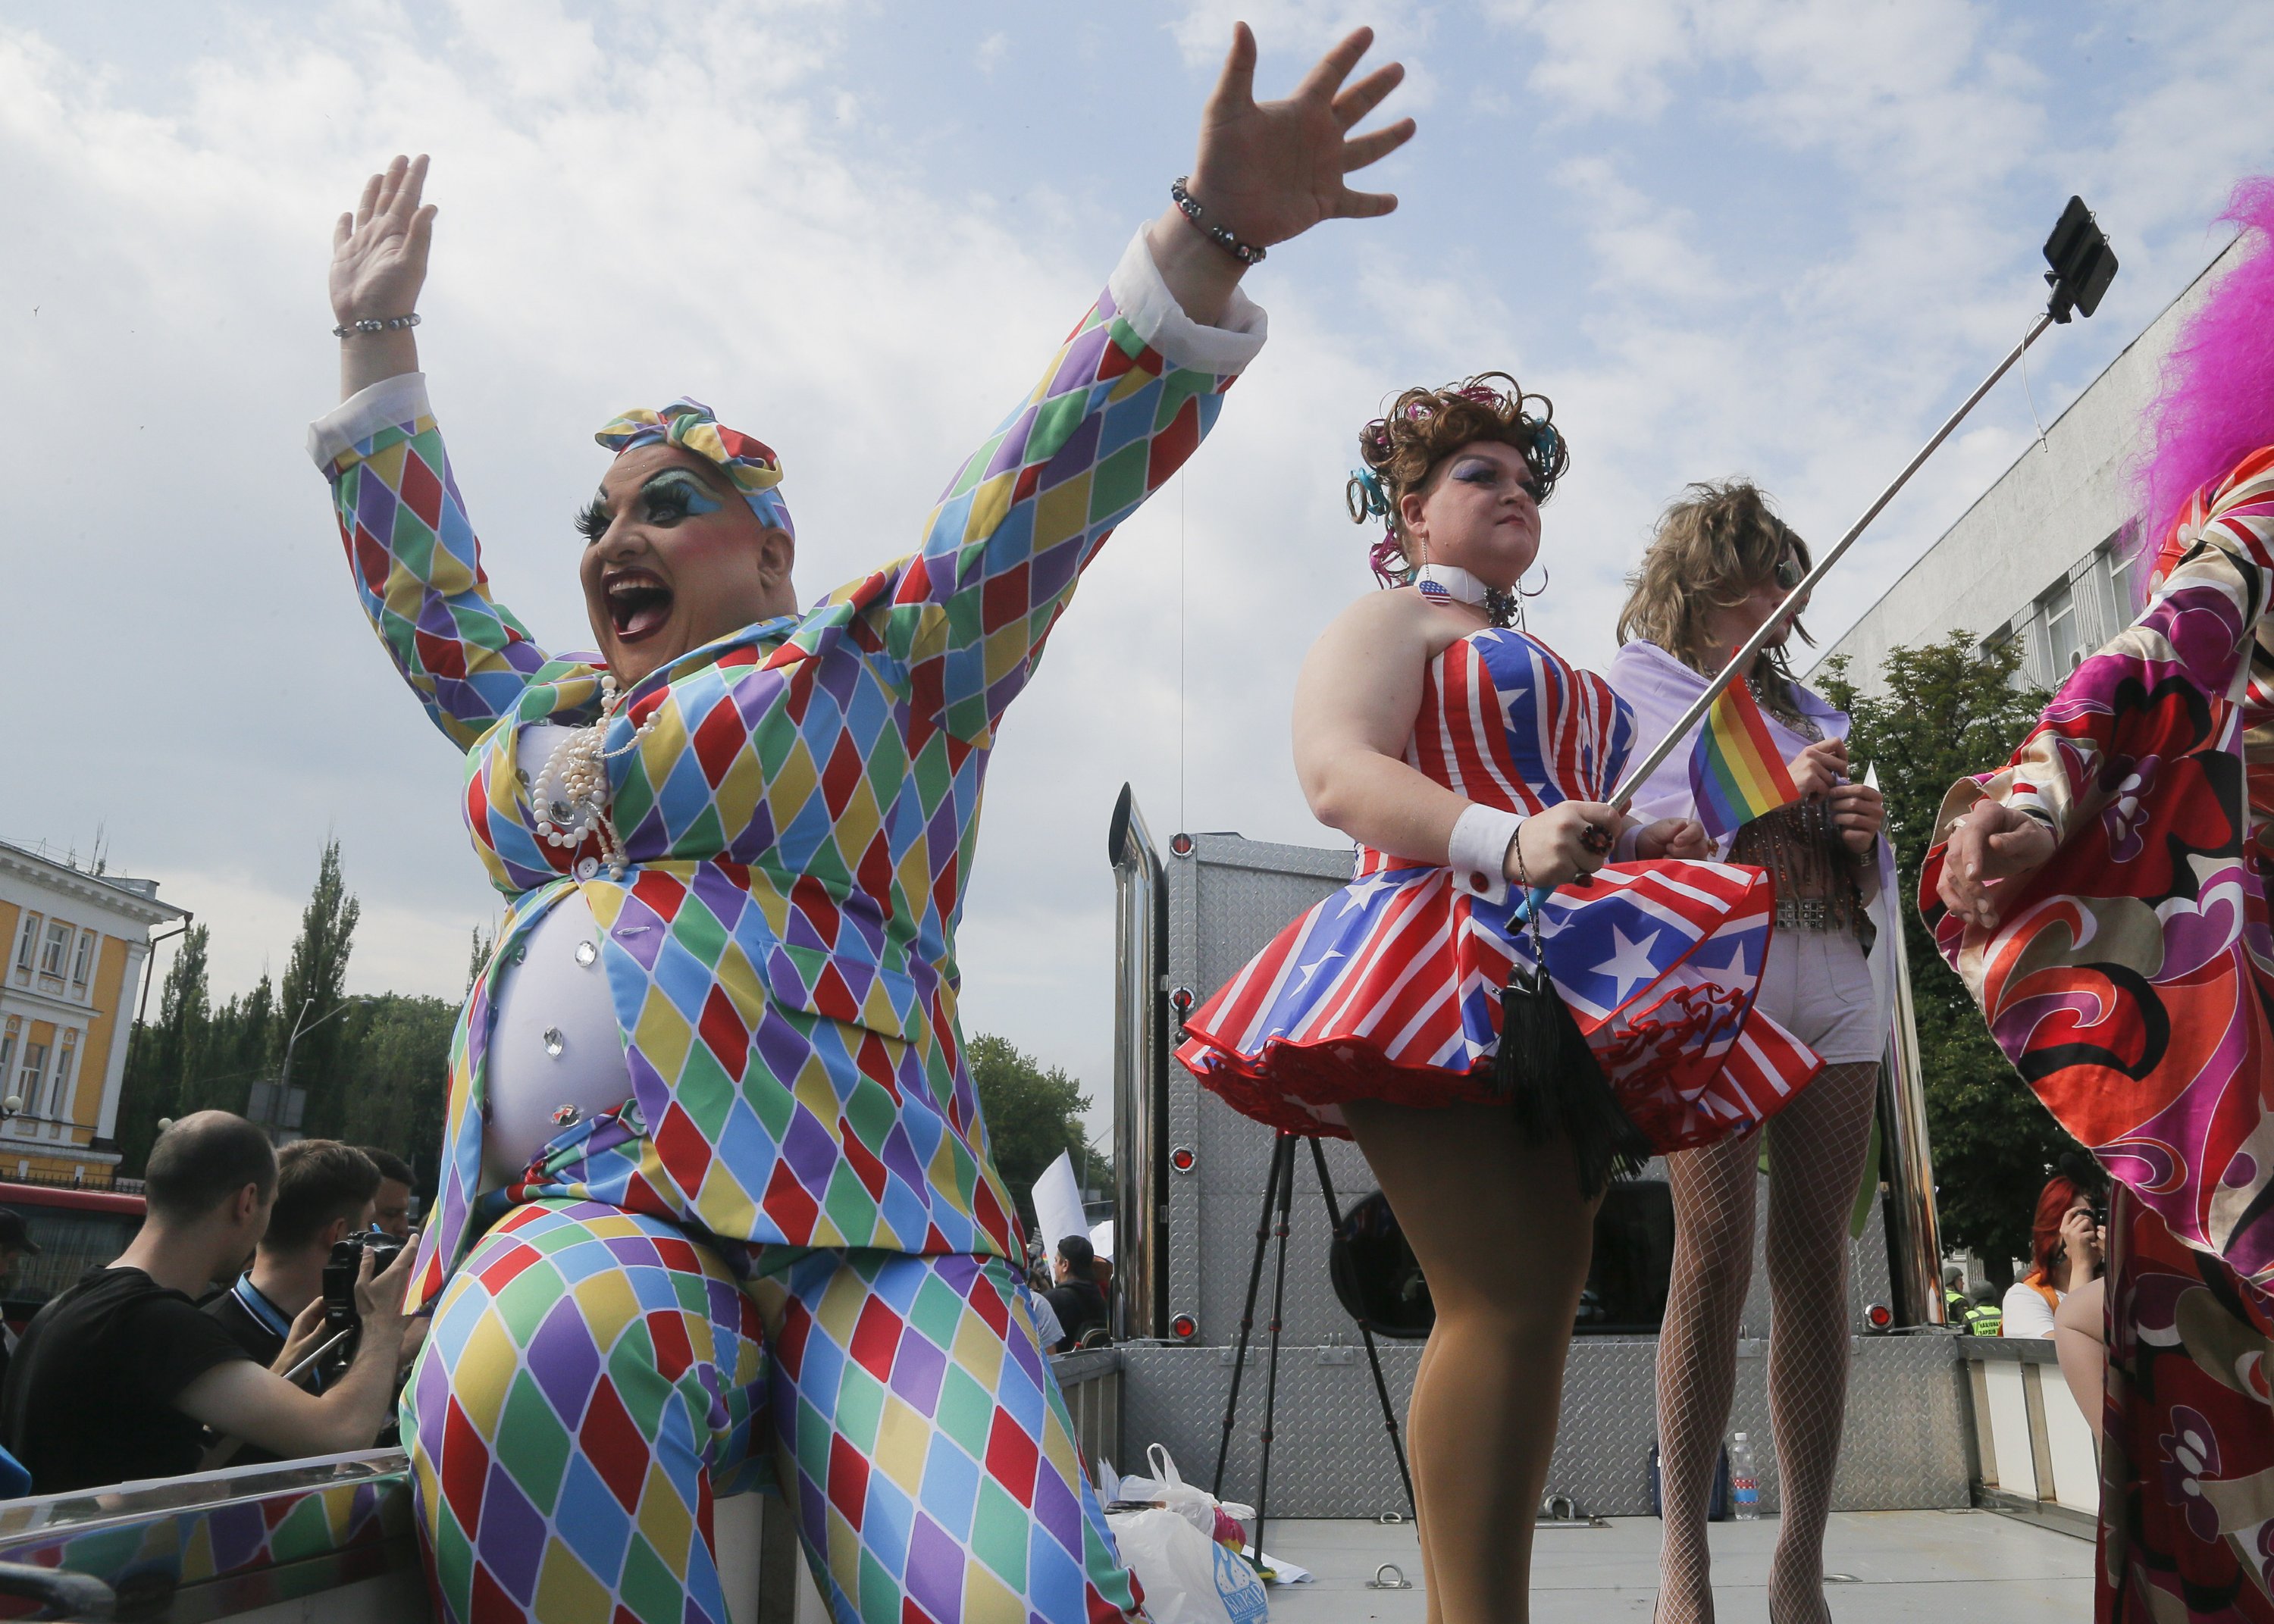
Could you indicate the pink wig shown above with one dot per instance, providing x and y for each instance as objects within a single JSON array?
[{"x": 2216, "y": 404}]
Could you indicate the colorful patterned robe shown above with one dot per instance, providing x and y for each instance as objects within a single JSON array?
[
  {"x": 801, "y": 818},
  {"x": 2129, "y": 981}
]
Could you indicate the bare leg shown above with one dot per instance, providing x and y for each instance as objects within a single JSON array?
[
  {"x": 1505, "y": 1239},
  {"x": 1698, "y": 1357},
  {"x": 2080, "y": 1343},
  {"x": 1816, "y": 1160}
]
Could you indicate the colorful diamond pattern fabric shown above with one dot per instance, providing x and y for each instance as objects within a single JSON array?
[
  {"x": 800, "y": 818},
  {"x": 594, "y": 1381}
]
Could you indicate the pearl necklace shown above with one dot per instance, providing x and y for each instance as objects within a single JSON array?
[{"x": 571, "y": 795}]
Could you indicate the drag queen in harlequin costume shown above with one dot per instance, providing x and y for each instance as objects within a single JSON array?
[
  {"x": 1719, "y": 565},
  {"x": 717, "y": 1210},
  {"x": 1469, "y": 762},
  {"x": 2103, "y": 895}
]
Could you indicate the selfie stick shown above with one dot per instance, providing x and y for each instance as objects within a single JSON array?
[
  {"x": 2082, "y": 267},
  {"x": 304, "y": 1365}
]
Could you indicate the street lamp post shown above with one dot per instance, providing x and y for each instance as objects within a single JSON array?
[{"x": 300, "y": 1029}]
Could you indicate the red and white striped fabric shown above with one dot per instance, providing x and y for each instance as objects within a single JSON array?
[{"x": 1390, "y": 989}]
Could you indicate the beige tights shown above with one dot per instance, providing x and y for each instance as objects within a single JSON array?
[{"x": 1505, "y": 1239}]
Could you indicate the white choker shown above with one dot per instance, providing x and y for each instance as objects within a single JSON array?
[{"x": 1449, "y": 584}]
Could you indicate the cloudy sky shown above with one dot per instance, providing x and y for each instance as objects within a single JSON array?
[{"x": 1779, "y": 239}]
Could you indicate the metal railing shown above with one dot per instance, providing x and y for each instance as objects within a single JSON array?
[
  {"x": 1091, "y": 1380},
  {"x": 2034, "y": 1457}
]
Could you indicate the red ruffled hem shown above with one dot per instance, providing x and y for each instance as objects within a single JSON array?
[{"x": 1274, "y": 1089}]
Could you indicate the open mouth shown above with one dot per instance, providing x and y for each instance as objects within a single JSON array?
[{"x": 638, "y": 603}]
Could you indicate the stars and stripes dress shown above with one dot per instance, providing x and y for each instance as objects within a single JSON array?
[{"x": 1390, "y": 989}]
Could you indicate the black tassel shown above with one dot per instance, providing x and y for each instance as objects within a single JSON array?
[{"x": 1554, "y": 1084}]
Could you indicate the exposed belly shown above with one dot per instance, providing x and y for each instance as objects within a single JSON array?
[{"x": 554, "y": 1041}]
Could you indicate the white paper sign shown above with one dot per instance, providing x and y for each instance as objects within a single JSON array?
[{"x": 1058, "y": 1204}]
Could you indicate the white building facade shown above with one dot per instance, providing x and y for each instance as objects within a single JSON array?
[
  {"x": 76, "y": 943},
  {"x": 2046, "y": 555}
]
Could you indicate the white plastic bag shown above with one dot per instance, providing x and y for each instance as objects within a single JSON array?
[{"x": 1189, "y": 1576}]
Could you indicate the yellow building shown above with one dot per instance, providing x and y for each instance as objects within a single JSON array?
[{"x": 76, "y": 943}]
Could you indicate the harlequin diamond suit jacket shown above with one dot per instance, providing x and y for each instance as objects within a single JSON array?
[{"x": 799, "y": 821}]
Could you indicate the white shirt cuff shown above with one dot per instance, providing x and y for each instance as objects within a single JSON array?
[
  {"x": 1479, "y": 849},
  {"x": 390, "y": 402},
  {"x": 1145, "y": 303}
]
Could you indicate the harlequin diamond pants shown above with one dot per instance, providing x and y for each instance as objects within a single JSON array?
[{"x": 594, "y": 1379}]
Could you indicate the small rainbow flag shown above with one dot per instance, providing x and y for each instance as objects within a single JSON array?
[{"x": 1735, "y": 772}]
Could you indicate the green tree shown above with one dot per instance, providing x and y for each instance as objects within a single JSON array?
[
  {"x": 239, "y": 1053},
  {"x": 478, "y": 956},
  {"x": 395, "y": 1066},
  {"x": 1034, "y": 1114},
  {"x": 1946, "y": 711},
  {"x": 314, "y": 980},
  {"x": 164, "y": 1055}
]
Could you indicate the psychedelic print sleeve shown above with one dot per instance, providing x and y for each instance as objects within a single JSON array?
[
  {"x": 417, "y": 564},
  {"x": 1120, "y": 408},
  {"x": 2197, "y": 635},
  {"x": 2123, "y": 979}
]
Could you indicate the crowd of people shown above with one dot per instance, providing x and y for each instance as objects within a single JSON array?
[{"x": 202, "y": 1344}]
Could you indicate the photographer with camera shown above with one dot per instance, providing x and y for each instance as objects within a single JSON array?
[
  {"x": 2064, "y": 1258},
  {"x": 324, "y": 1194},
  {"x": 115, "y": 1378}
]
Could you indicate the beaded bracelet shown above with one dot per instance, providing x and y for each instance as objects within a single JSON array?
[
  {"x": 374, "y": 324},
  {"x": 1221, "y": 235}
]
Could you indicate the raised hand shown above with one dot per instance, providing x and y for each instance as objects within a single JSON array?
[
  {"x": 1271, "y": 170},
  {"x": 378, "y": 252},
  {"x": 378, "y": 265},
  {"x": 1268, "y": 171}
]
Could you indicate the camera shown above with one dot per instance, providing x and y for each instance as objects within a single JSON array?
[{"x": 340, "y": 1280}]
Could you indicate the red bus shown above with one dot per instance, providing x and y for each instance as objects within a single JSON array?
[{"x": 75, "y": 1229}]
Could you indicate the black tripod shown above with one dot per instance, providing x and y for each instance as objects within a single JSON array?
[{"x": 1279, "y": 1191}]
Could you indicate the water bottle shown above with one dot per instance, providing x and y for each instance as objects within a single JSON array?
[{"x": 1744, "y": 1485}]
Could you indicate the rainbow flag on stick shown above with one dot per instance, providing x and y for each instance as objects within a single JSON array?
[{"x": 1735, "y": 772}]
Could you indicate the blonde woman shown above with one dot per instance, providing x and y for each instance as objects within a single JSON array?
[{"x": 1719, "y": 567}]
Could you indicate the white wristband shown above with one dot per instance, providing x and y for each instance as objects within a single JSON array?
[{"x": 1478, "y": 851}]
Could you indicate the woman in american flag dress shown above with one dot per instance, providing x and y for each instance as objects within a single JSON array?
[
  {"x": 1470, "y": 763},
  {"x": 716, "y": 1207}
]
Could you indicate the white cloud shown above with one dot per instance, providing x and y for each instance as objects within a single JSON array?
[{"x": 1773, "y": 240}]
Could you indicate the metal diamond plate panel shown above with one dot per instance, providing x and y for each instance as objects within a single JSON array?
[
  {"x": 1903, "y": 1448},
  {"x": 1226, "y": 901}
]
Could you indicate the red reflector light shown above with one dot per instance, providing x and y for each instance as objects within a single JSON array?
[
  {"x": 1181, "y": 845},
  {"x": 1184, "y": 1327},
  {"x": 1880, "y": 1316},
  {"x": 1182, "y": 1159},
  {"x": 1181, "y": 999}
]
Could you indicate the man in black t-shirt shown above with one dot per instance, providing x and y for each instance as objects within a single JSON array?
[
  {"x": 114, "y": 1377},
  {"x": 1075, "y": 1299}
]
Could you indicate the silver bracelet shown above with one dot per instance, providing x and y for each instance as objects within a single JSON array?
[{"x": 375, "y": 324}]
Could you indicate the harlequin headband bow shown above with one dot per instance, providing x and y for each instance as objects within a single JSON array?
[{"x": 751, "y": 464}]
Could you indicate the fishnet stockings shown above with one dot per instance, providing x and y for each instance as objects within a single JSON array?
[{"x": 1816, "y": 1158}]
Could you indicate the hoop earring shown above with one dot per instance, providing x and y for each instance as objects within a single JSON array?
[{"x": 1544, "y": 578}]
